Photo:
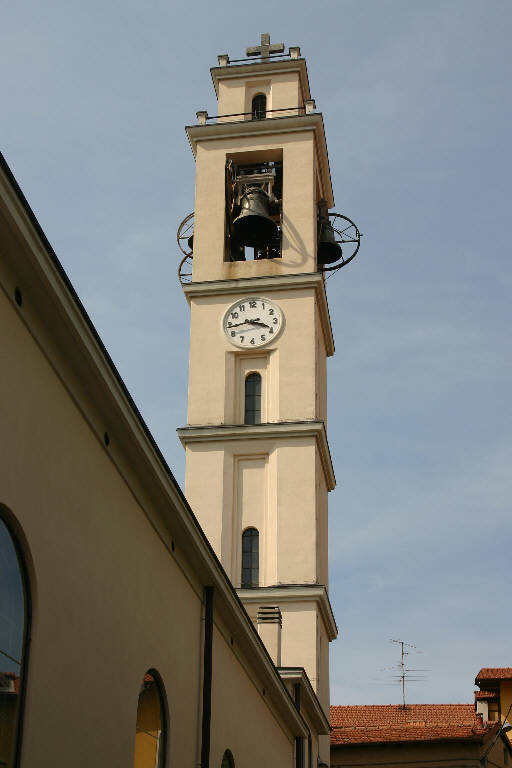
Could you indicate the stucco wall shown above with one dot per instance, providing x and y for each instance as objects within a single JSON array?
[{"x": 110, "y": 599}]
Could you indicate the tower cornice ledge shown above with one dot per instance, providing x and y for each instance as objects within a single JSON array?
[
  {"x": 270, "y": 283},
  {"x": 271, "y": 430},
  {"x": 293, "y": 593}
]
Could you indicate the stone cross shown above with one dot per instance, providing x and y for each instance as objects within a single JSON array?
[{"x": 266, "y": 48}]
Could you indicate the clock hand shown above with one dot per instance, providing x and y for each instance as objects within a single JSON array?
[{"x": 256, "y": 321}]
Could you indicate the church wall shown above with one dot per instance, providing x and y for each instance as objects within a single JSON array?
[
  {"x": 110, "y": 598},
  {"x": 299, "y": 215},
  {"x": 100, "y": 613},
  {"x": 236, "y": 698}
]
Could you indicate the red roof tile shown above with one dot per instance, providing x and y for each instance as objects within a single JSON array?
[
  {"x": 479, "y": 695},
  {"x": 417, "y": 722},
  {"x": 494, "y": 673}
]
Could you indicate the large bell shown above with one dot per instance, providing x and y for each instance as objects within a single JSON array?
[
  {"x": 253, "y": 226},
  {"x": 329, "y": 250}
]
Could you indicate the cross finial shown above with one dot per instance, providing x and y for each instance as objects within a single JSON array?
[{"x": 265, "y": 48}]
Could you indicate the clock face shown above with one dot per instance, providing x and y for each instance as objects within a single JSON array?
[{"x": 252, "y": 322}]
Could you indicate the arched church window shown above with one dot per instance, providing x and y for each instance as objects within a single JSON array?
[
  {"x": 150, "y": 734},
  {"x": 14, "y": 619},
  {"x": 253, "y": 399},
  {"x": 227, "y": 760},
  {"x": 259, "y": 107},
  {"x": 250, "y": 558}
]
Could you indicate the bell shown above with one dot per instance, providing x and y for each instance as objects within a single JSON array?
[
  {"x": 190, "y": 242},
  {"x": 329, "y": 250},
  {"x": 253, "y": 226}
]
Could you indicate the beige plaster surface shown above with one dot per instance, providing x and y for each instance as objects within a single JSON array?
[
  {"x": 293, "y": 364},
  {"x": 110, "y": 598},
  {"x": 286, "y": 505},
  {"x": 282, "y": 89}
]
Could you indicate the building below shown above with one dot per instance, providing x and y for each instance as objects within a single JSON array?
[{"x": 494, "y": 699}]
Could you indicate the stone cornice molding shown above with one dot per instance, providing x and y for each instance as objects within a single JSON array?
[
  {"x": 309, "y": 699},
  {"x": 270, "y": 431},
  {"x": 272, "y": 126},
  {"x": 280, "y": 594},
  {"x": 269, "y": 283}
]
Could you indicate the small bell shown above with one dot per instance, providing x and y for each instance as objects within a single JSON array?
[{"x": 328, "y": 251}]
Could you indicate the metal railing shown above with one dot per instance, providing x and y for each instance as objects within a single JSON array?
[{"x": 238, "y": 117}]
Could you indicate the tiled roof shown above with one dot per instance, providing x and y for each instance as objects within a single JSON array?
[
  {"x": 494, "y": 673},
  {"x": 376, "y": 724},
  {"x": 485, "y": 695}
]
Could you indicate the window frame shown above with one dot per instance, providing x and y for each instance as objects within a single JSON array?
[
  {"x": 15, "y": 532},
  {"x": 256, "y": 112},
  {"x": 163, "y": 740},
  {"x": 256, "y": 377},
  {"x": 252, "y": 583}
]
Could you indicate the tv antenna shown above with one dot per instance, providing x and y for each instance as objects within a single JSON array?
[{"x": 404, "y": 672}]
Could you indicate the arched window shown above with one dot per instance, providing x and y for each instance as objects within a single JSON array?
[
  {"x": 151, "y": 733},
  {"x": 227, "y": 760},
  {"x": 14, "y": 619},
  {"x": 250, "y": 558},
  {"x": 253, "y": 399},
  {"x": 259, "y": 107}
]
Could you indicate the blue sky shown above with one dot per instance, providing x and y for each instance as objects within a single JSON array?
[{"x": 416, "y": 100}]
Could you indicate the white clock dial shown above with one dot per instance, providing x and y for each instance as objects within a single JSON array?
[{"x": 252, "y": 322}]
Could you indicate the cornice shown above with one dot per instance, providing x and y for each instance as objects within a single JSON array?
[
  {"x": 294, "y": 593},
  {"x": 313, "y": 280},
  {"x": 309, "y": 699},
  {"x": 270, "y": 431},
  {"x": 271, "y": 126}
]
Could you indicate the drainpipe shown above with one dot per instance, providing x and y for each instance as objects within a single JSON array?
[
  {"x": 299, "y": 741},
  {"x": 207, "y": 677}
]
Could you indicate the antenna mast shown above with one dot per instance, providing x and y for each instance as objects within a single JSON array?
[{"x": 403, "y": 670}]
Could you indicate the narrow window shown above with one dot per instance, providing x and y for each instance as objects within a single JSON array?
[
  {"x": 150, "y": 735},
  {"x": 259, "y": 107},
  {"x": 253, "y": 399},
  {"x": 250, "y": 558},
  {"x": 14, "y": 617},
  {"x": 227, "y": 760}
]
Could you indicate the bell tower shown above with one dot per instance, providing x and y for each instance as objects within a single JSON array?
[{"x": 258, "y": 466}]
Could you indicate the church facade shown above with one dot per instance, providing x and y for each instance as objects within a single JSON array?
[{"x": 142, "y": 625}]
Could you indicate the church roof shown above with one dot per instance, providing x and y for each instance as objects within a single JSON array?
[{"x": 377, "y": 724}]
